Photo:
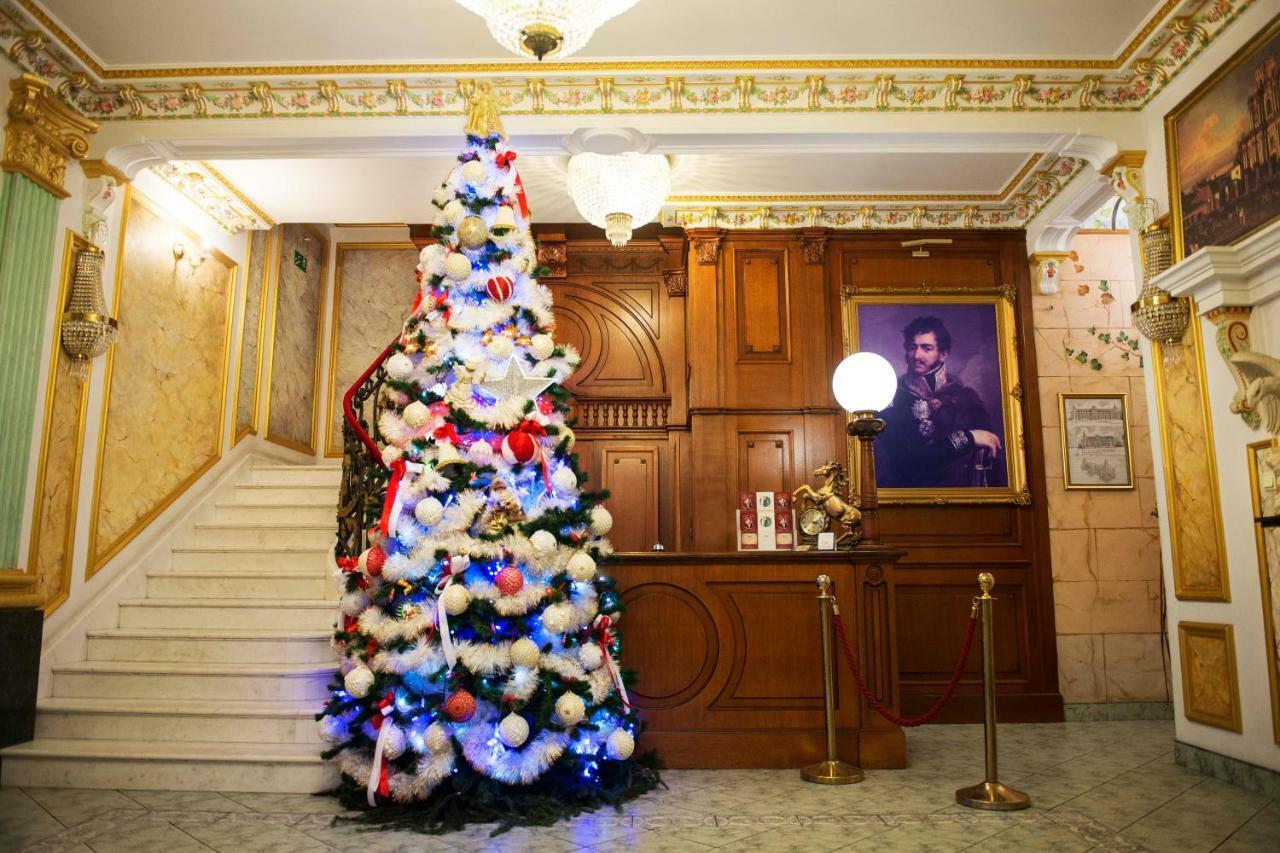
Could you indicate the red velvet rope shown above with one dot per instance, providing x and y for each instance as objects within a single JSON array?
[{"x": 927, "y": 716}]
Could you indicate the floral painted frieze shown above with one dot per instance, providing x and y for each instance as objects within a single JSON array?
[
  {"x": 1013, "y": 210},
  {"x": 213, "y": 194},
  {"x": 30, "y": 40}
]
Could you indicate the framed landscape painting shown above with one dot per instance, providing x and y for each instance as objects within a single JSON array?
[
  {"x": 953, "y": 432},
  {"x": 1224, "y": 163},
  {"x": 1095, "y": 441}
]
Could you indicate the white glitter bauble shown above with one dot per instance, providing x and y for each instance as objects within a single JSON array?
[
  {"x": 543, "y": 541},
  {"x": 399, "y": 367},
  {"x": 474, "y": 172},
  {"x": 581, "y": 567},
  {"x": 570, "y": 709},
  {"x": 564, "y": 480},
  {"x": 453, "y": 211},
  {"x": 500, "y": 346},
  {"x": 393, "y": 741},
  {"x": 353, "y": 603},
  {"x": 620, "y": 745},
  {"x": 416, "y": 414},
  {"x": 525, "y": 652},
  {"x": 601, "y": 520},
  {"x": 428, "y": 511},
  {"x": 333, "y": 729},
  {"x": 456, "y": 599},
  {"x": 542, "y": 346},
  {"x": 513, "y": 730},
  {"x": 457, "y": 266},
  {"x": 358, "y": 681},
  {"x": 556, "y": 618},
  {"x": 436, "y": 738},
  {"x": 391, "y": 453},
  {"x": 590, "y": 656},
  {"x": 481, "y": 453}
]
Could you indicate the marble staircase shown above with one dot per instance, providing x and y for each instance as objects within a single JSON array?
[{"x": 212, "y": 681}]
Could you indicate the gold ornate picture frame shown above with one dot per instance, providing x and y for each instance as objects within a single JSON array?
[
  {"x": 1210, "y": 685},
  {"x": 1264, "y": 485},
  {"x": 1097, "y": 452},
  {"x": 863, "y": 305}
]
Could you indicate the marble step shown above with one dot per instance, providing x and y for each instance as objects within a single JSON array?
[
  {"x": 296, "y": 475},
  {"x": 271, "y": 584},
  {"x": 184, "y": 720},
  {"x": 225, "y": 558},
  {"x": 206, "y": 613},
  {"x": 167, "y": 765},
  {"x": 185, "y": 645},
  {"x": 316, "y": 535},
  {"x": 314, "y": 512},
  {"x": 164, "y": 680},
  {"x": 252, "y": 493}
]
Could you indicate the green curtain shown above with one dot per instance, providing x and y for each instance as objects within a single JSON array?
[{"x": 28, "y": 222}]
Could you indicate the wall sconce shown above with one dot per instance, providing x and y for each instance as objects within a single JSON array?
[
  {"x": 196, "y": 258},
  {"x": 864, "y": 385},
  {"x": 87, "y": 330},
  {"x": 1159, "y": 316}
]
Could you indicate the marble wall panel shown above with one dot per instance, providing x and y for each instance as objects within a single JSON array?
[
  {"x": 249, "y": 363},
  {"x": 295, "y": 356},
  {"x": 166, "y": 376},
  {"x": 1210, "y": 692},
  {"x": 1191, "y": 486},
  {"x": 1103, "y": 544},
  {"x": 374, "y": 287}
]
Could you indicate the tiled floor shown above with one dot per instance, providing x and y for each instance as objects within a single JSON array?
[{"x": 1096, "y": 786}]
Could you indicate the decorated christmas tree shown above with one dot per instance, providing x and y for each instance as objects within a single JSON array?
[{"x": 478, "y": 636}]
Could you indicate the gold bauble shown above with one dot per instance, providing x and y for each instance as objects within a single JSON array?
[{"x": 473, "y": 232}]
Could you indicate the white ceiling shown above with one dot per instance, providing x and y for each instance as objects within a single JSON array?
[
  {"x": 186, "y": 33},
  {"x": 397, "y": 189}
]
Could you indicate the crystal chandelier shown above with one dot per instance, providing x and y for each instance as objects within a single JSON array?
[
  {"x": 542, "y": 28},
  {"x": 87, "y": 331},
  {"x": 619, "y": 192},
  {"x": 1159, "y": 316}
]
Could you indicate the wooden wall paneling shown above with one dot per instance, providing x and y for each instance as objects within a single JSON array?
[
  {"x": 761, "y": 317},
  {"x": 765, "y": 462},
  {"x": 762, "y": 305},
  {"x": 947, "y": 546},
  {"x": 631, "y": 474},
  {"x": 704, "y": 329}
]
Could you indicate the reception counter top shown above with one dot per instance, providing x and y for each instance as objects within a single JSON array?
[{"x": 727, "y": 651}]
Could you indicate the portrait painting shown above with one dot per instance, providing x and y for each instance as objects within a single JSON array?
[
  {"x": 1224, "y": 164},
  {"x": 948, "y": 431}
]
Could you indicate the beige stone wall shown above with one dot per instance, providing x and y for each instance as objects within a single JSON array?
[
  {"x": 298, "y": 295},
  {"x": 247, "y": 379},
  {"x": 1105, "y": 544},
  {"x": 166, "y": 377},
  {"x": 374, "y": 286}
]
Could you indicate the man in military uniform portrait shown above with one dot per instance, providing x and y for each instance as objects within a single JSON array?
[{"x": 938, "y": 431}]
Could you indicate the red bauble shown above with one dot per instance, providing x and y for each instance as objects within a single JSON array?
[
  {"x": 375, "y": 558},
  {"x": 460, "y": 706},
  {"x": 500, "y": 288},
  {"x": 518, "y": 447},
  {"x": 545, "y": 404},
  {"x": 509, "y": 581}
]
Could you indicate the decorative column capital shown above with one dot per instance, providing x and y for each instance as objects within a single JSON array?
[
  {"x": 706, "y": 244},
  {"x": 553, "y": 254},
  {"x": 1046, "y": 270},
  {"x": 1125, "y": 173},
  {"x": 42, "y": 133},
  {"x": 677, "y": 282},
  {"x": 814, "y": 246}
]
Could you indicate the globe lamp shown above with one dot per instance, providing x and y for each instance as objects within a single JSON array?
[{"x": 864, "y": 384}]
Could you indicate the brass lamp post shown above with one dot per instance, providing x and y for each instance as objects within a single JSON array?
[{"x": 864, "y": 384}]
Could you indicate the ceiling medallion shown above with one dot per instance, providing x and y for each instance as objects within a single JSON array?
[{"x": 542, "y": 28}]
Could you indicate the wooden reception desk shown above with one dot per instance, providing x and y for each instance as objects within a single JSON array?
[{"x": 728, "y": 655}]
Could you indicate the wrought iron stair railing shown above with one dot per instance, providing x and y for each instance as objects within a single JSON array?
[{"x": 364, "y": 475}]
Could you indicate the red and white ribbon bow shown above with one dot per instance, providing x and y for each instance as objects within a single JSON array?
[
  {"x": 379, "y": 772},
  {"x": 457, "y": 565},
  {"x": 601, "y": 626}
]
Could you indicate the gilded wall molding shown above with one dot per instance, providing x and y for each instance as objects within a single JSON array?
[
  {"x": 1126, "y": 82},
  {"x": 42, "y": 133},
  {"x": 214, "y": 195},
  {"x": 1210, "y": 683}
]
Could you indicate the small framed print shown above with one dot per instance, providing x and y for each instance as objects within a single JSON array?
[{"x": 1096, "y": 452}]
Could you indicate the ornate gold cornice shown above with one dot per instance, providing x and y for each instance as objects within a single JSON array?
[
  {"x": 1124, "y": 160},
  {"x": 1158, "y": 52},
  {"x": 42, "y": 133},
  {"x": 102, "y": 169}
]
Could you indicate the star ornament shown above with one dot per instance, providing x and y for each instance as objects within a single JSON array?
[{"x": 514, "y": 383}]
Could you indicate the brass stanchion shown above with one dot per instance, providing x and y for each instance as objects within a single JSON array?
[
  {"x": 990, "y": 794},
  {"x": 833, "y": 771}
]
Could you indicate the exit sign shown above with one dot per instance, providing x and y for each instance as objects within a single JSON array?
[{"x": 299, "y": 260}]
